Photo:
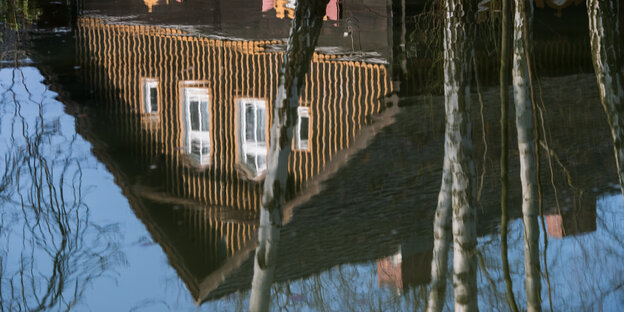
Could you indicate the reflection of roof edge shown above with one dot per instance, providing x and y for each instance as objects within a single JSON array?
[
  {"x": 311, "y": 189},
  {"x": 221, "y": 213},
  {"x": 315, "y": 186},
  {"x": 139, "y": 208},
  {"x": 200, "y": 290},
  {"x": 137, "y": 199},
  {"x": 186, "y": 33},
  {"x": 98, "y": 150},
  {"x": 216, "y": 278},
  {"x": 246, "y": 45}
]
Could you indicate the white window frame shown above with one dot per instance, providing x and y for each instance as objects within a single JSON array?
[
  {"x": 255, "y": 149},
  {"x": 291, "y": 4},
  {"x": 301, "y": 144},
  {"x": 148, "y": 84},
  {"x": 201, "y": 95}
]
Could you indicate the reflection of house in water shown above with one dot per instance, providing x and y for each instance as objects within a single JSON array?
[
  {"x": 183, "y": 127},
  {"x": 190, "y": 117}
]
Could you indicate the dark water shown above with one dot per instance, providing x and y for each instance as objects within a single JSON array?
[{"x": 134, "y": 139}]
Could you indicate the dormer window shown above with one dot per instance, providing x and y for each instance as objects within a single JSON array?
[
  {"x": 195, "y": 104},
  {"x": 302, "y": 131},
  {"x": 150, "y": 96},
  {"x": 252, "y": 135}
]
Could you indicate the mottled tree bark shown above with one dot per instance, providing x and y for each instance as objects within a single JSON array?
[
  {"x": 504, "y": 76},
  {"x": 442, "y": 237},
  {"x": 606, "y": 52},
  {"x": 526, "y": 149},
  {"x": 458, "y": 52},
  {"x": 304, "y": 33}
]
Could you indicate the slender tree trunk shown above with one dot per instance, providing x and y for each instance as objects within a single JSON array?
[
  {"x": 526, "y": 149},
  {"x": 458, "y": 52},
  {"x": 506, "y": 35},
  {"x": 304, "y": 33},
  {"x": 442, "y": 237},
  {"x": 604, "y": 36}
]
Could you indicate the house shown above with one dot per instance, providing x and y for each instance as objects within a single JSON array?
[{"x": 181, "y": 121}]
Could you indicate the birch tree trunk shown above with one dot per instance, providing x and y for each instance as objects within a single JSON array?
[
  {"x": 505, "y": 59},
  {"x": 526, "y": 149},
  {"x": 442, "y": 237},
  {"x": 302, "y": 39},
  {"x": 605, "y": 45},
  {"x": 458, "y": 53}
]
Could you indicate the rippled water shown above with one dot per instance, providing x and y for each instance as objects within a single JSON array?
[{"x": 134, "y": 139}]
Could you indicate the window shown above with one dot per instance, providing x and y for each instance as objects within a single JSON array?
[
  {"x": 291, "y": 4},
  {"x": 150, "y": 96},
  {"x": 302, "y": 133},
  {"x": 253, "y": 147},
  {"x": 197, "y": 124}
]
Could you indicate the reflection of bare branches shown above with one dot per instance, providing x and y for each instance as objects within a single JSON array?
[
  {"x": 6, "y": 181},
  {"x": 42, "y": 190},
  {"x": 566, "y": 172},
  {"x": 605, "y": 294},
  {"x": 146, "y": 305},
  {"x": 349, "y": 287},
  {"x": 539, "y": 110},
  {"x": 483, "y": 132},
  {"x": 606, "y": 54}
]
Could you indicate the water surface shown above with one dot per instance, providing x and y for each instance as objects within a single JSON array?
[{"x": 134, "y": 139}]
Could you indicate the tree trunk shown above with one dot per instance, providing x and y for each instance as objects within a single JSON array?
[
  {"x": 605, "y": 45},
  {"x": 505, "y": 58},
  {"x": 442, "y": 238},
  {"x": 458, "y": 53},
  {"x": 526, "y": 149},
  {"x": 304, "y": 33}
]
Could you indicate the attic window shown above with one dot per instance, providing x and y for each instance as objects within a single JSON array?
[
  {"x": 302, "y": 133},
  {"x": 150, "y": 96}
]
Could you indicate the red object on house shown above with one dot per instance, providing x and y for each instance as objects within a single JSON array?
[
  {"x": 389, "y": 273},
  {"x": 332, "y": 11},
  {"x": 555, "y": 226},
  {"x": 267, "y": 5}
]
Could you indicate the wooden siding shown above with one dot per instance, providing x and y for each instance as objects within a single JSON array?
[{"x": 342, "y": 96}]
